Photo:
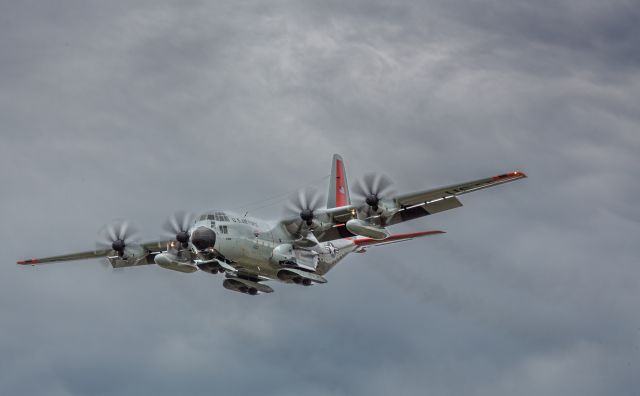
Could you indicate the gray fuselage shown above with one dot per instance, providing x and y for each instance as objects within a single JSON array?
[{"x": 249, "y": 243}]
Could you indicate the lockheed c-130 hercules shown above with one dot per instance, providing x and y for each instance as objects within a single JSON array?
[{"x": 299, "y": 249}]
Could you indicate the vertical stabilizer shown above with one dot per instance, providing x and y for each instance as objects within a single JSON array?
[{"x": 338, "y": 187}]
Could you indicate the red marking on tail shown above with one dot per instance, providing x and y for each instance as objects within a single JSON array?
[{"x": 341, "y": 192}]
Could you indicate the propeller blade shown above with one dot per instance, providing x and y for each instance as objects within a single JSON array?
[
  {"x": 305, "y": 199},
  {"x": 111, "y": 232},
  {"x": 370, "y": 190},
  {"x": 129, "y": 232},
  {"x": 368, "y": 181},
  {"x": 178, "y": 222},
  {"x": 118, "y": 233},
  {"x": 122, "y": 230},
  {"x": 105, "y": 238},
  {"x": 362, "y": 187},
  {"x": 382, "y": 185},
  {"x": 176, "y": 227},
  {"x": 302, "y": 199},
  {"x": 373, "y": 184},
  {"x": 170, "y": 225},
  {"x": 314, "y": 204},
  {"x": 357, "y": 190},
  {"x": 302, "y": 205},
  {"x": 103, "y": 244},
  {"x": 187, "y": 220}
]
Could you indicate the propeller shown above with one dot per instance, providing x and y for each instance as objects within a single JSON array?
[
  {"x": 304, "y": 206},
  {"x": 372, "y": 189},
  {"x": 177, "y": 227},
  {"x": 118, "y": 236}
]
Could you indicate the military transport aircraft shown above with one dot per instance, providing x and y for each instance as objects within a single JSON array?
[{"x": 299, "y": 249}]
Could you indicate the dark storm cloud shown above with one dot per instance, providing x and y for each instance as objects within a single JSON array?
[
  {"x": 600, "y": 34},
  {"x": 117, "y": 110}
]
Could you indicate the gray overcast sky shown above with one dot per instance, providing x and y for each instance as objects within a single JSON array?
[{"x": 134, "y": 109}]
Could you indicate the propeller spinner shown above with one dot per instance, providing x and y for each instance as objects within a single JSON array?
[
  {"x": 119, "y": 236},
  {"x": 372, "y": 189},
  {"x": 177, "y": 227},
  {"x": 304, "y": 205}
]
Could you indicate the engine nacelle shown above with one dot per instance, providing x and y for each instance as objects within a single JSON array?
[
  {"x": 172, "y": 262},
  {"x": 245, "y": 286},
  {"x": 366, "y": 229},
  {"x": 135, "y": 255},
  {"x": 212, "y": 267},
  {"x": 300, "y": 277}
]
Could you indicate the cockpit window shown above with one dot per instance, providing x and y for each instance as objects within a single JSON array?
[
  {"x": 214, "y": 216},
  {"x": 221, "y": 216}
]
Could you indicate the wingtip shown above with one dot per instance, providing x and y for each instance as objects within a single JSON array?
[
  {"x": 27, "y": 262},
  {"x": 519, "y": 174},
  {"x": 510, "y": 176}
]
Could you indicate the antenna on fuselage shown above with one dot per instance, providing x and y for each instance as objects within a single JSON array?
[{"x": 277, "y": 199}]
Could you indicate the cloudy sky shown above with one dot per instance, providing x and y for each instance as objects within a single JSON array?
[{"x": 136, "y": 109}]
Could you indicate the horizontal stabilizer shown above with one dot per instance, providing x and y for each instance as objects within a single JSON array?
[{"x": 394, "y": 238}]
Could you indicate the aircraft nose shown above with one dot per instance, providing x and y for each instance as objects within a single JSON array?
[{"x": 203, "y": 238}]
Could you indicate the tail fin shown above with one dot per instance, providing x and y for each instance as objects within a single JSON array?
[{"x": 338, "y": 187}]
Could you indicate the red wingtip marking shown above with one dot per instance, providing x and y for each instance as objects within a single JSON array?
[
  {"x": 26, "y": 262},
  {"x": 510, "y": 175}
]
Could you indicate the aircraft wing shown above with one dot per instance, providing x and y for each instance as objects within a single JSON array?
[
  {"x": 420, "y": 197},
  {"x": 422, "y": 203},
  {"x": 405, "y": 207},
  {"x": 66, "y": 257},
  {"x": 151, "y": 248}
]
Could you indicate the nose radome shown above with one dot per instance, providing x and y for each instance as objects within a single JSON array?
[{"x": 203, "y": 238}]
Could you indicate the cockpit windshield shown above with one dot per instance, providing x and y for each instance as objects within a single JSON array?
[{"x": 215, "y": 216}]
